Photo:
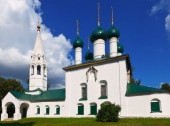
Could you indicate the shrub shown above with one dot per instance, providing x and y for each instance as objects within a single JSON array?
[{"x": 108, "y": 113}]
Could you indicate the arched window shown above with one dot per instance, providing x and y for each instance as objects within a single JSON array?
[
  {"x": 32, "y": 70},
  {"x": 47, "y": 110},
  {"x": 44, "y": 71},
  {"x": 83, "y": 91},
  {"x": 93, "y": 109},
  {"x": 155, "y": 105},
  {"x": 39, "y": 70},
  {"x": 38, "y": 109},
  {"x": 80, "y": 109},
  {"x": 57, "y": 110},
  {"x": 103, "y": 86},
  {"x": 38, "y": 58}
]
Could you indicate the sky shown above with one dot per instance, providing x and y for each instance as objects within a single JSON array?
[{"x": 144, "y": 32}]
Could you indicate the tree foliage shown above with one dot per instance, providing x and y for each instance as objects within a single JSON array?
[
  {"x": 108, "y": 113},
  {"x": 7, "y": 85},
  {"x": 165, "y": 86}
]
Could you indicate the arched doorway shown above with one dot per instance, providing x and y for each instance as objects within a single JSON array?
[
  {"x": 10, "y": 109},
  {"x": 24, "y": 109}
]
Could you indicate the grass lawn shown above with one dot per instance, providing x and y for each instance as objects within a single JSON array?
[{"x": 86, "y": 122}]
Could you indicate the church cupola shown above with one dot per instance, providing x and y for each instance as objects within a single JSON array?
[
  {"x": 78, "y": 45},
  {"x": 89, "y": 54},
  {"x": 98, "y": 38},
  {"x": 120, "y": 49},
  {"x": 113, "y": 35},
  {"x": 38, "y": 65}
]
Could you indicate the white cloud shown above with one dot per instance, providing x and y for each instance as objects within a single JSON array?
[
  {"x": 18, "y": 20},
  {"x": 163, "y": 5},
  {"x": 167, "y": 23}
]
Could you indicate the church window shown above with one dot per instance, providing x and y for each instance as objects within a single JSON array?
[
  {"x": 39, "y": 70},
  {"x": 83, "y": 91},
  {"x": 80, "y": 109},
  {"x": 103, "y": 90},
  {"x": 38, "y": 58},
  {"x": 32, "y": 70},
  {"x": 103, "y": 85},
  {"x": 155, "y": 105},
  {"x": 93, "y": 109},
  {"x": 38, "y": 109},
  {"x": 47, "y": 110},
  {"x": 57, "y": 110}
]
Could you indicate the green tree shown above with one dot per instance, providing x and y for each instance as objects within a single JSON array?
[
  {"x": 165, "y": 86},
  {"x": 7, "y": 85},
  {"x": 108, "y": 113}
]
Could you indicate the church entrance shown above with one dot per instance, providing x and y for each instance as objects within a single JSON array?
[
  {"x": 10, "y": 110},
  {"x": 24, "y": 109}
]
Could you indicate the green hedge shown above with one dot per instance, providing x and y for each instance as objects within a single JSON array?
[{"x": 108, "y": 113}]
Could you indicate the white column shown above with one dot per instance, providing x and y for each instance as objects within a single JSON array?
[
  {"x": 78, "y": 55},
  {"x": 113, "y": 46},
  {"x": 35, "y": 70},
  {"x": 4, "y": 114},
  {"x": 99, "y": 48},
  {"x": 17, "y": 114}
]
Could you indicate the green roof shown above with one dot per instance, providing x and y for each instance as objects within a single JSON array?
[
  {"x": 98, "y": 33},
  {"x": 136, "y": 89},
  {"x": 78, "y": 42},
  {"x": 50, "y": 95},
  {"x": 113, "y": 32},
  {"x": 120, "y": 48},
  {"x": 88, "y": 55}
]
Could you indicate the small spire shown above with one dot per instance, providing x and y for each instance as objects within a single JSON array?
[
  {"x": 88, "y": 44},
  {"x": 77, "y": 21},
  {"x": 38, "y": 26},
  {"x": 98, "y": 14},
  {"x": 111, "y": 15}
]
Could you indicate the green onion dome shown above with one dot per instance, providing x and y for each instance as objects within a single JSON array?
[
  {"x": 78, "y": 42},
  {"x": 88, "y": 55},
  {"x": 98, "y": 33},
  {"x": 113, "y": 32},
  {"x": 120, "y": 48}
]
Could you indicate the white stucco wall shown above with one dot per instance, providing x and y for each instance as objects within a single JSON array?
[
  {"x": 32, "y": 111},
  {"x": 114, "y": 73},
  {"x": 139, "y": 106}
]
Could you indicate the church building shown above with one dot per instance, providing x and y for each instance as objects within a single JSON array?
[{"x": 101, "y": 78}]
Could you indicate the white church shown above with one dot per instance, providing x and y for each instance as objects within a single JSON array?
[{"x": 88, "y": 84}]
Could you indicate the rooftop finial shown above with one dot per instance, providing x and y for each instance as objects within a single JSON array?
[
  {"x": 111, "y": 15},
  {"x": 98, "y": 12},
  {"x": 77, "y": 21},
  {"x": 38, "y": 26}
]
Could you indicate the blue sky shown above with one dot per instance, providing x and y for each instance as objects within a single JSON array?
[{"x": 144, "y": 32}]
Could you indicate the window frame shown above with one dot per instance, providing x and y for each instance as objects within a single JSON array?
[
  {"x": 155, "y": 106},
  {"x": 84, "y": 94},
  {"x": 93, "y": 109},
  {"x": 38, "y": 110},
  {"x": 47, "y": 110},
  {"x": 80, "y": 109},
  {"x": 103, "y": 83},
  {"x": 57, "y": 110}
]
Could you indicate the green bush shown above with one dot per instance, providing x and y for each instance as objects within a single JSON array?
[{"x": 108, "y": 113}]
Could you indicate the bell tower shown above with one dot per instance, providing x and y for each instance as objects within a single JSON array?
[{"x": 38, "y": 65}]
